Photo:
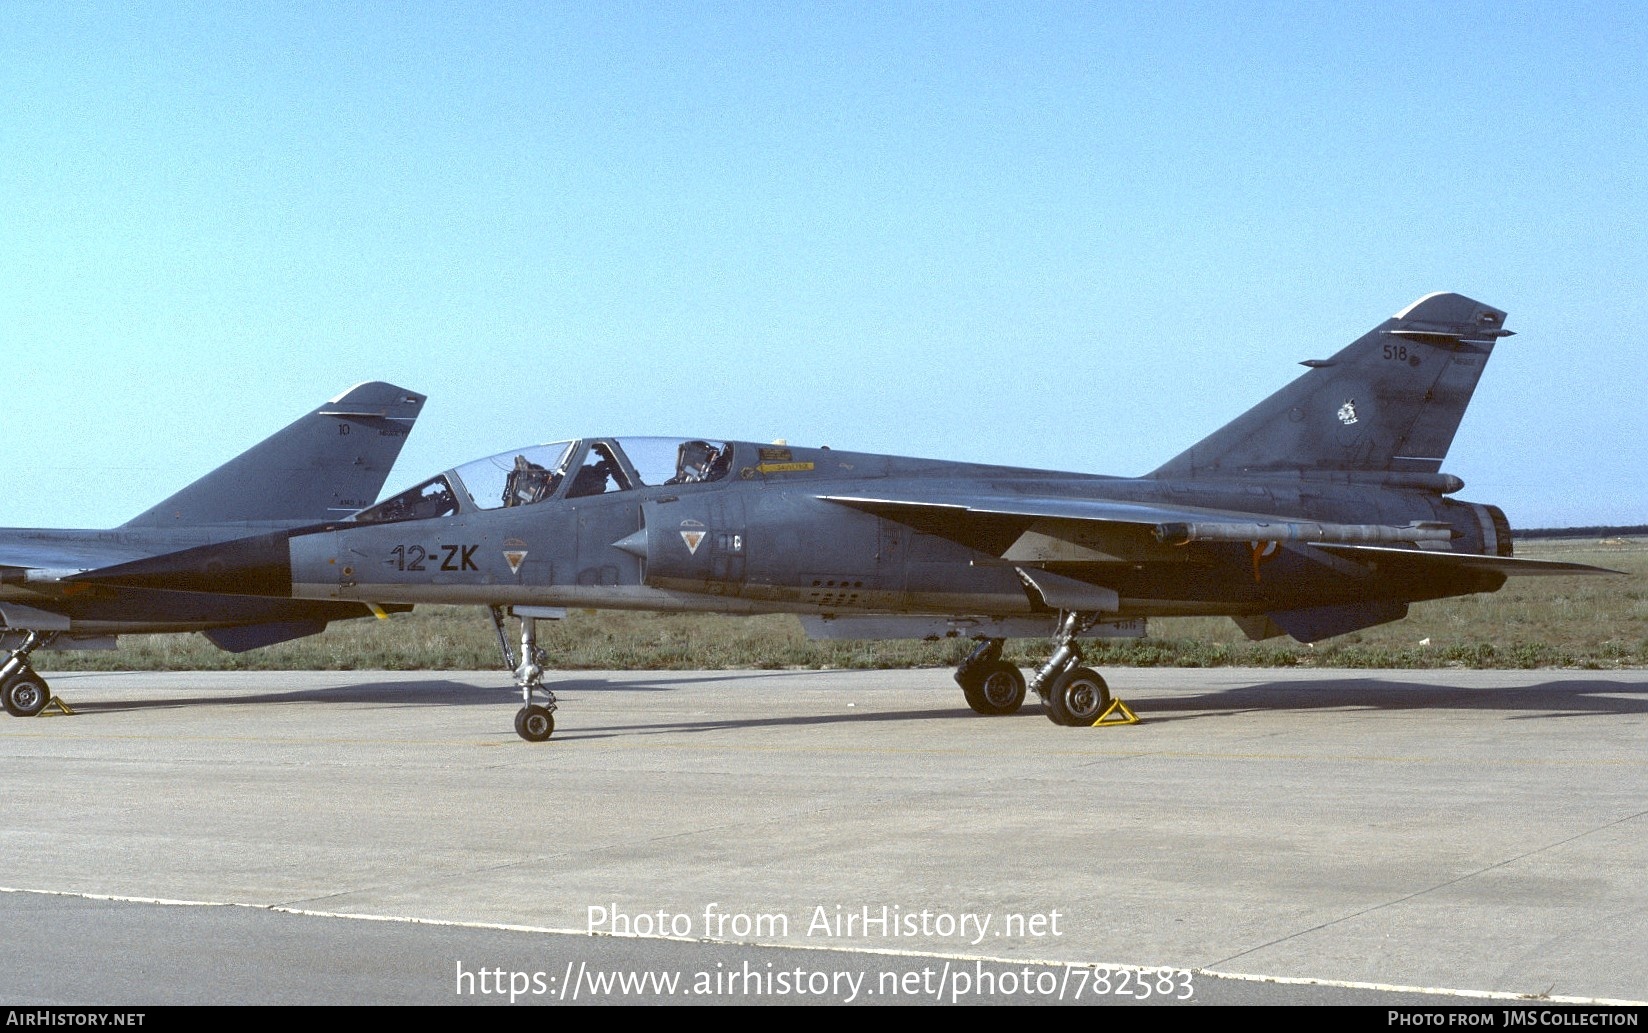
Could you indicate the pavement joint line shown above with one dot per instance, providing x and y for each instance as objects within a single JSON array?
[
  {"x": 1340, "y": 984},
  {"x": 1439, "y": 886}
]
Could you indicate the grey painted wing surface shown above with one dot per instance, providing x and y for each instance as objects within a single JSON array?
[
  {"x": 1028, "y": 505},
  {"x": 1173, "y": 524},
  {"x": 28, "y": 549}
]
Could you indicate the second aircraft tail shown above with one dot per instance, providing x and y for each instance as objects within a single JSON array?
[{"x": 325, "y": 465}]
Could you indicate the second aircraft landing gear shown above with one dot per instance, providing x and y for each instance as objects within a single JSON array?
[
  {"x": 534, "y": 722},
  {"x": 23, "y": 692}
]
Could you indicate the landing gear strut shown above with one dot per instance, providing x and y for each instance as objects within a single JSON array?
[
  {"x": 534, "y": 722},
  {"x": 23, "y": 692},
  {"x": 1075, "y": 695},
  {"x": 992, "y": 686}
]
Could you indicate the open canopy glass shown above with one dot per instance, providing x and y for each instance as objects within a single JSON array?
[{"x": 560, "y": 469}]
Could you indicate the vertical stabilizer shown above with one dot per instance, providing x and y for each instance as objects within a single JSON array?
[
  {"x": 327, "y": 464},
  {"x": 1390, "y": 401}
]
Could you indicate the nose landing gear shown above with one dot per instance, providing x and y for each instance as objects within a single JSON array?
[{"x": 534, "y": 722}]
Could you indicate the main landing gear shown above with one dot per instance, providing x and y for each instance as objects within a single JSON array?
[
  {"x": 534, "y": 722},
  {"x": 23, "y": 692},
  {"x": 1072, "y": 694},
  {"x": 1075, "y": 695},
  {"x": 992, "y": 685}
]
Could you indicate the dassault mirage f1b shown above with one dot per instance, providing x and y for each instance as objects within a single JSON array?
[
  {"x": 326, "y": 465},
  {"x": 1320, "y": 511}
]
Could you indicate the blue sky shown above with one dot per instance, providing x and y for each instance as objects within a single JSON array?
[{"x": 1069, "y": 236}]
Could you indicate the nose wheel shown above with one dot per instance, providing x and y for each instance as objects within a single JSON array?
[{"x": 534, "y": 722}]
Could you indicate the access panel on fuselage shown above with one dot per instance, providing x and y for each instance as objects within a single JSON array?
[{"x": 602, "y": 520}]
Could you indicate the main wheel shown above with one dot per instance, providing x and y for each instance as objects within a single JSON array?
[
  {"x": 25, "y": 694},
  {"x": 534, "y": 724},
  {"x": 1079, "y": 698},
  {"x": 996, "y": 688}
]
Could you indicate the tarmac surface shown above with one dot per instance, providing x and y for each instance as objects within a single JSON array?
[{"x": 1262, "y": 835}]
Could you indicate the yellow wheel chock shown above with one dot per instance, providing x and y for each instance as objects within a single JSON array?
[{"x": 1123, "y": 714}]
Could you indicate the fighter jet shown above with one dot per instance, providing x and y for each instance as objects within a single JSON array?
[
  {"x": 326, "y": 465},
  {"x": 1320, "y": 511}
]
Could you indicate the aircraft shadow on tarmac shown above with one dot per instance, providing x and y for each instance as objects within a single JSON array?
[
  {"x": 1559, "y": 697},
  {"x": 387, "y": 692},
  {"x": 382, "y": 688}
]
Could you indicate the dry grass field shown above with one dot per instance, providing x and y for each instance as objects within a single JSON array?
[{"x": 1596, "y": 622}]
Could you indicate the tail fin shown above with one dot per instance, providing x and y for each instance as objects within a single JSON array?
[
  {"x": 1389, "y": 402},
  {"x": 328, "y": 463}
]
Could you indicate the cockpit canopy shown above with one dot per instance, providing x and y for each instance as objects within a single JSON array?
[{"x": 561, "y": 469}]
